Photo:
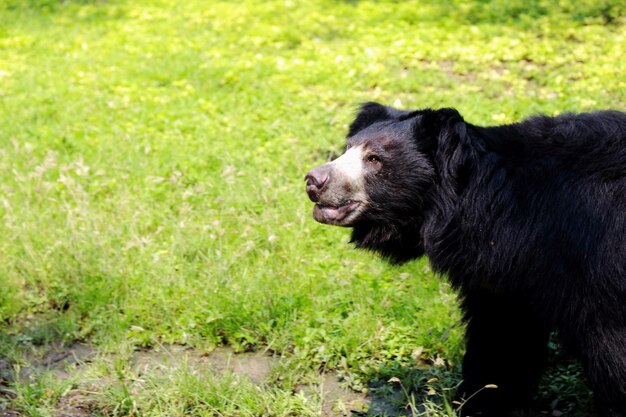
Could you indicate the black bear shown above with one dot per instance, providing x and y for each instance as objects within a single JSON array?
[{"x": 527, "y": 221}]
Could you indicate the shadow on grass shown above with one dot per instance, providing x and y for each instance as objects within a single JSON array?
[{"x": 405, "y": 390}]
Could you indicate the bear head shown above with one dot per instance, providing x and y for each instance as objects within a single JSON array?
[{"x": 382, "y": 184}]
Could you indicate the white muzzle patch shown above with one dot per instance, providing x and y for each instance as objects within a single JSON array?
[
  {"x": 343, "y": 198},
  {"x": 350, "y": 166}
]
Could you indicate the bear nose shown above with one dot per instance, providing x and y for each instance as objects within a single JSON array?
[{"x": 315, "y": 181}]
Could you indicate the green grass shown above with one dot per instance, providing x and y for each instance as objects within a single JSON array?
[{"x": 151, "y": 164}]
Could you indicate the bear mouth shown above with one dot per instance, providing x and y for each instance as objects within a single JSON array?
[{"x": 337, "y": 215}]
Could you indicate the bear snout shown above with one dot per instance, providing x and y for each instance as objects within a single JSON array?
[{"x": 316, "y": 179}]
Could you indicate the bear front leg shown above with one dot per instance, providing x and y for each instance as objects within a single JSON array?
[
  {"x": 603, "y": 351},
  {"x": 505, "y": 356}
]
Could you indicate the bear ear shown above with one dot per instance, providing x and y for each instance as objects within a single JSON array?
[
  {"x": 430, "y": 124},
  {"x": 370, "y": 113},
  {"x": 432, "y": 121}
]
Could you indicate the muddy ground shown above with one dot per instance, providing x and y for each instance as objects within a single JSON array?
[{"x": 68, "y": 361}]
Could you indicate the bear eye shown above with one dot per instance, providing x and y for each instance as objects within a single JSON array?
[{"x": 374, "y": 159}]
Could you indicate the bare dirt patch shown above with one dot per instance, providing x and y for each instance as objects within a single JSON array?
[
  {"x": 255, "y": 366},
  {"x": 65, "y": 362},
  {"x": 62, "y": 361},
  {"x": 337, "y": 399}
]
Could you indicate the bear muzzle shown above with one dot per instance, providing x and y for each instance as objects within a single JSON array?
[{"x": 335, "y": 204}]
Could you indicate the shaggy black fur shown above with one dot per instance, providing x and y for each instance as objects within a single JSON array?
[{"x": 528, "y": 221}]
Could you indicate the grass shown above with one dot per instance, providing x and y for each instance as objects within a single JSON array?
[{"x": 151, "y": 164}]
